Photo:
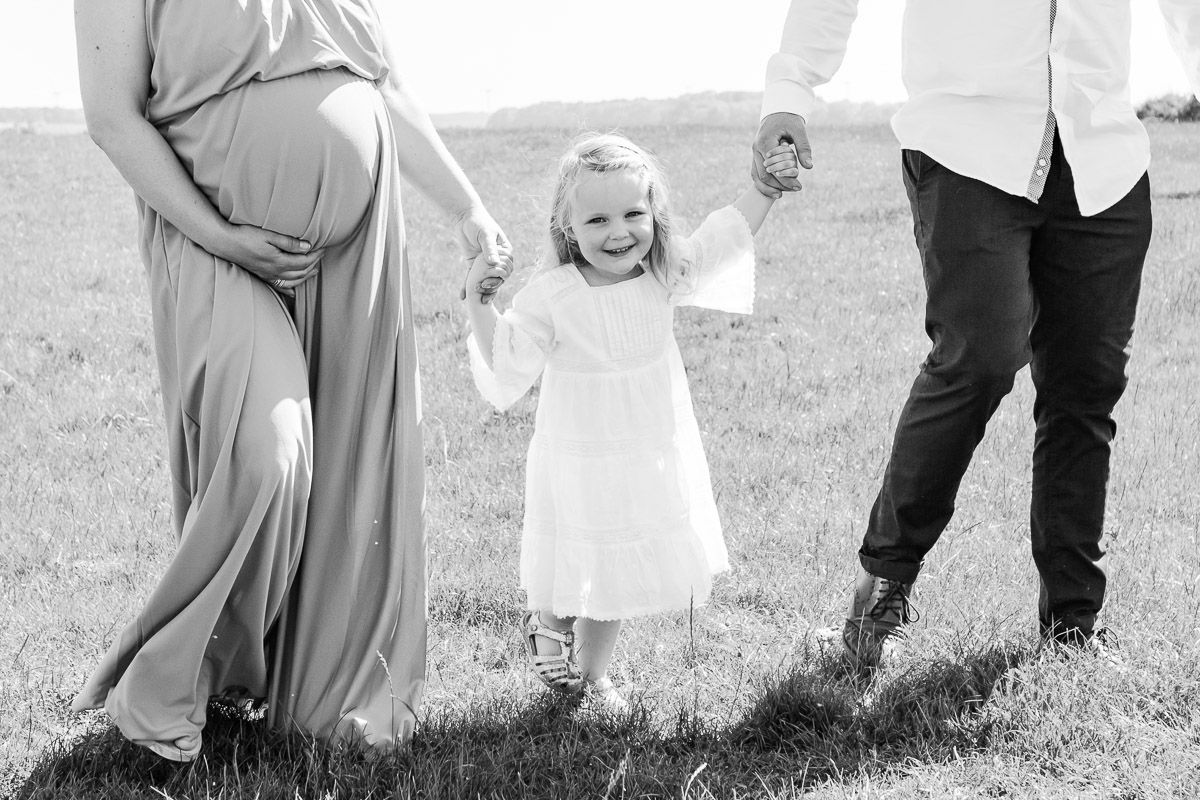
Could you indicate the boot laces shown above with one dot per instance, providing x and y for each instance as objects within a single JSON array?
[{"x": 894, "y": 601}]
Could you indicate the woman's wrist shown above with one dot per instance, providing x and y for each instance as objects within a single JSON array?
[
  {"x": 471, "y": 206},
  {"x": 477, "y": 233},
  {"x": 214, "y": 234}
]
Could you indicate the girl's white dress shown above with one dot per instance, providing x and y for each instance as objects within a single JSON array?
[{"x": 619, "y": 512}]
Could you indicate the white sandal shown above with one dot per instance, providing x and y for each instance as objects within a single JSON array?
[
  {"x": 602, "y": 695},
  {"x": 559, "y": 670}
]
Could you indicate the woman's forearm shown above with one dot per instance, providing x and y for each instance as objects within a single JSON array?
[
  {"x": 152, "y": 170},
  {"x": 424, "y": 160},
  {"x": 114, "y": 83}
]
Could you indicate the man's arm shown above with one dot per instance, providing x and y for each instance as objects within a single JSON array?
[
  {"x": 810, "y": 52},
  {"x": 1182, "y": 18}
]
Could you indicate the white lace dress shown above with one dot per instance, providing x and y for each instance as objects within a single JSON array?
[{"x": 619, "y": 512}]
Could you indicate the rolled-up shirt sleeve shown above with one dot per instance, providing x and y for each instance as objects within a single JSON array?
[
  {"x": 810, "y": 52},
  {"x": 1182, "y": 19}
]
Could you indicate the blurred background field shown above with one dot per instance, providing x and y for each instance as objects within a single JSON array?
[{"x": 797, "y": 405}]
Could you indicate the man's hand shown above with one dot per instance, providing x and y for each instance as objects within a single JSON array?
[{"x": 775, "y": 129}]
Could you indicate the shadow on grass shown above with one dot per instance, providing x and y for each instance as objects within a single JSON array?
[{"x": 814, "y": 724}]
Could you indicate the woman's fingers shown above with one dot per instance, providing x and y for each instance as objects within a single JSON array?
[
  {"x": 485, "y": 279},
  {"x": 297, "y": 263},
  {"x": 494, "y": 277},
  {"x": 288, "y": 244},
  {"x": 491, "y": 249},
  {"x": 279, "y": 260},
  {"x": 288, "y": 273},
  {"x": 504, "y": 248}
]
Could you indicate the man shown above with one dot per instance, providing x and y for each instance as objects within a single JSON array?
[{"x": 1025, "y": 167}]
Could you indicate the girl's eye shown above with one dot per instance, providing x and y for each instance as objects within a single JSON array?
[
  {"x": 595, "y": 220},
  {"x": 634, "y": 214}
]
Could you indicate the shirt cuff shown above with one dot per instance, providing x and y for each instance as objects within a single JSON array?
[{"x": 787, "y": 95}]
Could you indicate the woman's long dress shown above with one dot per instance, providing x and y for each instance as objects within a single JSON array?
[{"x": 293, "y": 429}]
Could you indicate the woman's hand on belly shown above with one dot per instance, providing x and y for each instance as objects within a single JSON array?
[{"x": 283, "y": 261}]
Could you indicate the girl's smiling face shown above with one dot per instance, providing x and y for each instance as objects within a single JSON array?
[{"x": 612, "y": 223}]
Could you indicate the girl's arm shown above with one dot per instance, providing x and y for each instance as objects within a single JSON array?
[
  {"x": 781, "y": 162},
  {"x": 428, "y": 165},
  {"x": 507, "y": 352},
  {"x": 480, "y": 312},
  {"x": 114, "y": 80},
  {"x": 754, "y": 206}
]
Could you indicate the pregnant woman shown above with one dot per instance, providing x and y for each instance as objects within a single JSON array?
[{"x": 264, "y": 141}]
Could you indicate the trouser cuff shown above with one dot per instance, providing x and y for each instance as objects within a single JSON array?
[
  {"x": 1068, "y": 630},
  {"x": 891, "y": 570}
]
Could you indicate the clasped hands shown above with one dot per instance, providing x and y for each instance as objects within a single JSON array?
[
  {"x": 487, "y": 251},
  {"x": 781, "y": 145}
]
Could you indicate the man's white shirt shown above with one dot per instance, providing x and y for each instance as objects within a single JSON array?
[{"x": 982, "y": 75}]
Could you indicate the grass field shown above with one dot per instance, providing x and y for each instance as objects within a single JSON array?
[{"x": 797, "y": 404}]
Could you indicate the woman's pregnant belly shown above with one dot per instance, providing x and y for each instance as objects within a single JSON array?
[{"x": 297, "y": 155}]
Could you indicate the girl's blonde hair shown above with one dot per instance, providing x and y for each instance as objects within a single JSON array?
[{"x": 603, "y": 153}]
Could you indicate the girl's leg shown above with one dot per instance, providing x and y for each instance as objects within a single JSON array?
[
  {"x": 594, "y": 645},
  {"x": 595, "y": 641}
]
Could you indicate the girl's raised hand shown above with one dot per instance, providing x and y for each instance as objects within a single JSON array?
[{"x": 484, "y": 279}]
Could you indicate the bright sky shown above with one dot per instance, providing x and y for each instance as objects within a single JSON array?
[{"x": 481, "y": 55}]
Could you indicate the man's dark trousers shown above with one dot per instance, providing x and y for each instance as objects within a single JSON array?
[{"x": 1011, "y": 282}]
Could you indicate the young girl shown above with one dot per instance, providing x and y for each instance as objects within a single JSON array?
[{"x": 619, "y": 513}]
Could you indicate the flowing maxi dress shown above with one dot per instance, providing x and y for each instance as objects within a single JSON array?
[{"x": 293, "y": 426}]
